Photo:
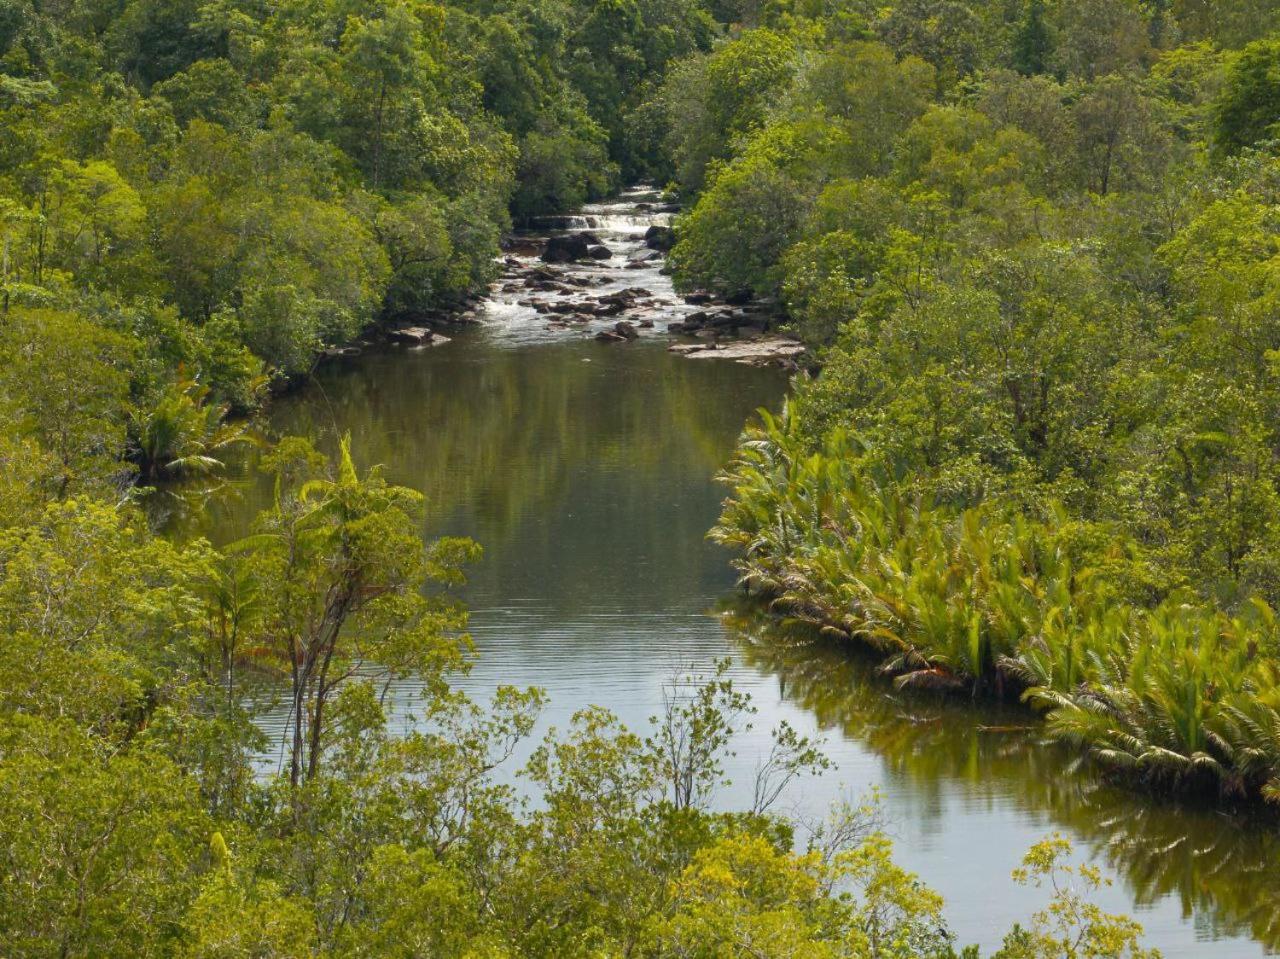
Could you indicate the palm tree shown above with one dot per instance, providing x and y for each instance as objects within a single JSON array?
[{"x": 182, "y": 433}]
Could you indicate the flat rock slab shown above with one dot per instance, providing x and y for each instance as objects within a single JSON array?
[
  {"x": 412, "y": 334},
  {"x": 773, "y": 348}
]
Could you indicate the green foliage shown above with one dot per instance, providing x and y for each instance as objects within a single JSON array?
[
  {"x": 987, "y": 600},
  {"x": 1248, "y": 109},
  {"x": 1071, "y": 927},
  {"x": 182, "y": 433},
  {"x": 64, "y": 384}
]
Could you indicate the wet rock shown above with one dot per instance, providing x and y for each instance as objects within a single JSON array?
[
  {"x": 522, "y": 245},
  {"x": 645, "y": 324},
  {"x": 697, "y": 297},
  {"x": 412, "y": 335},
  {"x": 600, "y": 253},
  {"x": 608, "y": 336},
  {"x": 341, "y": 352},
  {"x": 626, "y": 330},
  {"x": 774, "y": 350},
  {"x": 566, "y": 249},
  {"x": 661, "y": 238},
  {"x": 684, "y": 349},
  {"x": 740, "y": 298}
]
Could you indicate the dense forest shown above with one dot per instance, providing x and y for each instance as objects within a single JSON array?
[
  {"x": 1041, "y": 258},
  {"x": 1033, "y": 244}
]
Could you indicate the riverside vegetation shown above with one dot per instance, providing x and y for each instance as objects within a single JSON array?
[
  {"x": 1039, "y": 253},
  {"x": 1037, "y": 238}
]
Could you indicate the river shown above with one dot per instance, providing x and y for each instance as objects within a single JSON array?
[{"x": 585, "y": 471}]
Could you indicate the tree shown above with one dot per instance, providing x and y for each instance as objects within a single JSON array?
[
  {"x": 100, "y": 848},
  {"x": 341, "y": 561},
  {"x": 1071, "y": 927},
  {"x": 1032, "y": 44},
  {"x": 1248, "y": 109},
  {"x": 65, "y": 384}
]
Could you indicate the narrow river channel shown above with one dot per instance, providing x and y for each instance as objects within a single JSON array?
[{"x": 585, "y": 469}]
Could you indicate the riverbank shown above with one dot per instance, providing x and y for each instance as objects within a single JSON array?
[{"x": 991, "y": 603}]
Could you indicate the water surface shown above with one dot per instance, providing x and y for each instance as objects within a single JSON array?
[{"x": 585, "y": 470}]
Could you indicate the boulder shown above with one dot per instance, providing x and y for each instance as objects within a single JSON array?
[
  {"x": 697, "y": 298},
  {"x": 684, "y": 349},
  {"x": 626, "y": 330},
  {"x": 413, "y": 335},
  {"x": 608, "y": 336},
  {"x": 772, "y": 350},
  {"x": 661, "y": 238},
  {"x": 599, "y": 253},
  {"x": 341, "y": 352},
  {"x": 566, "y": 249}
]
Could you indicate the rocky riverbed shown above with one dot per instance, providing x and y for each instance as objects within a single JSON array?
[{"x": 601, "y": 274}]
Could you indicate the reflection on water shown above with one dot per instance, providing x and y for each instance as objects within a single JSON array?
[
  {"x": 585, "y": 469},
  {"x": 943, "y": 761}
]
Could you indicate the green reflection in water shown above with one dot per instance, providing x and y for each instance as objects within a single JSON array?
[
  {"x": 1224, "y": 869},
  {"x": 583, "y": 469}
]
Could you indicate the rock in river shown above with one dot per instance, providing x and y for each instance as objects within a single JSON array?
[
  {"x": 660, "y": 238},
  {"x": 414, "y": 335},
  {"x": 774, "y": 349},
  {"x": 566, "y": 249}
]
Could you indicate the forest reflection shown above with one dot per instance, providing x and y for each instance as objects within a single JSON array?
[{"x": 1222, "y": 868}]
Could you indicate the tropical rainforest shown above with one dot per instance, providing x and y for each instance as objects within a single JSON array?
[{"x": 1033, "y": 245}]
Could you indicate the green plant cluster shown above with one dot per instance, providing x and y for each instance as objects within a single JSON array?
[
  {"x": 988, "y": 601},
  {"x": 1036, "y": 248}
]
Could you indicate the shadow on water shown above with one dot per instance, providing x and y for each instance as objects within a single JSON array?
[{"x": 1223, "y": 870}]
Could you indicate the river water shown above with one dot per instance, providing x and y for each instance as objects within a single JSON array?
[{"x": 585, "y": 471}]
